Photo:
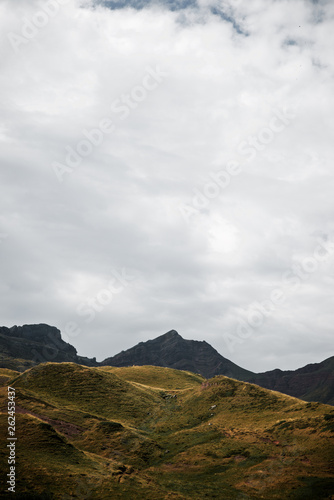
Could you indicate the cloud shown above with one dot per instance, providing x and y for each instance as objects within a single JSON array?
[{"x": 231, "y": 74}]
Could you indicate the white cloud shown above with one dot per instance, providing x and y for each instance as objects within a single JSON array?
[{"x": 119, "y": 208}]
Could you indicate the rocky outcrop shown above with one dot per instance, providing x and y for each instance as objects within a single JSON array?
[
  {"x": 37, "y": 344},
  {"x": 172, "y": 351}
]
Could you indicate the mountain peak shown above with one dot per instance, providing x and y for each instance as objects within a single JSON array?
[
  {"x": 172, "y": 334},
  {"x": 172, "y": 351}
]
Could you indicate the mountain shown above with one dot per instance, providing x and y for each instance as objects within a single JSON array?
[
  {"x": 313, "y": 382},
  {"x": 24, "y": 346},
  {"x": 147, "y": 432},
  {"x": 172, "y": 351}
]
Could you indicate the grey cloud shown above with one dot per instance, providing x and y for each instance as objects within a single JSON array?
[{"x": 119, "y": 208}]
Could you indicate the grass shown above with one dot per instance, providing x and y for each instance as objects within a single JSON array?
[
  {"x": 156, "y": 376},
  {"x": 6, "y": 374},
  {"x": 16, "y": 364},
  {"x": 157, "y": 433}
]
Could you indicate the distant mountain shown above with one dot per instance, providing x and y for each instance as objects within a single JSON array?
[
  {"x": 313, "y": 382},
  {"x": 24, "y": 346},
  {"x": 172, "y": 351}
]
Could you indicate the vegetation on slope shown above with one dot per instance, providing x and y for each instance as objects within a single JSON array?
[
  {"x": 156, "y": 433},
  {"x": 156, "y": 376},
  {"x": 6, "y": 374}
]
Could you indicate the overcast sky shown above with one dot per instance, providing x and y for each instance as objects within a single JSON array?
[{"x": 170, "y": 166}]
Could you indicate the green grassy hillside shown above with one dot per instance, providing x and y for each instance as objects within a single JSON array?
[
  {"x": 6, "y": 374},
  {"x": 156, "y": 376},
  {"x": 156, "y": 433},
  {"x": 15, "y": 364}
]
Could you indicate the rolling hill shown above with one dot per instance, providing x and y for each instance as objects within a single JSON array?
[{"x": 157, "y": 433}]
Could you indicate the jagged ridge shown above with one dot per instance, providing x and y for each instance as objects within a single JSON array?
[{"x": 172, "y": 351}]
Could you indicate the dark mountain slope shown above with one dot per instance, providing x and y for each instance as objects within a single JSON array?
[
  {"x": 24, "y": 346},
  {"x": 172, "y": 351},
  {"x": 313, "y": 382}
]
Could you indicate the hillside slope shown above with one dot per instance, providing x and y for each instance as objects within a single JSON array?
[{"x": 150, "y": 432}]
